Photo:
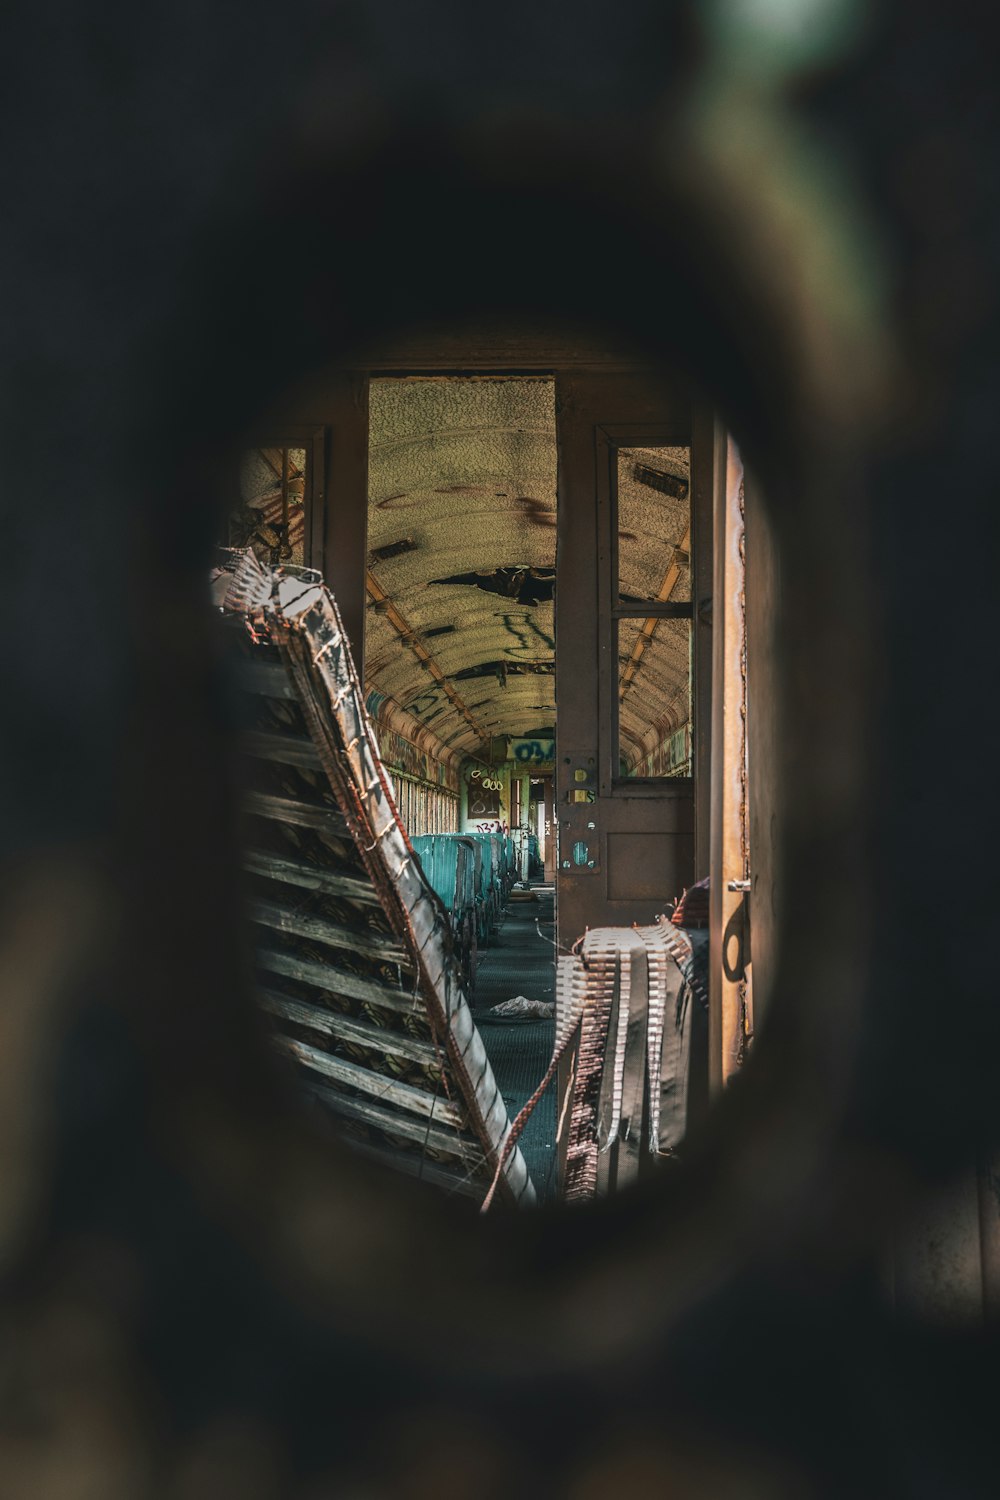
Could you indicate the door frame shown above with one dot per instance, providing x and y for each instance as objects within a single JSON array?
[{"x": 597, "y": 413}]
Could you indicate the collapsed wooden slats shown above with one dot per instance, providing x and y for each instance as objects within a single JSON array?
[
  {"x": 404, "y": 1095},
  {"x": 347, "y": 1029},
  {"x": 309, "y": 877},
  {"x": 288, "y": 749},
  {"x": 354, "y": 955},
  {"x": 290, "y": 810},
  {"x": 327, "y": 979},
  {"x": 374, "y": 944},
  {"x": 423, "y": 1133},
  {"x": 432, "y": 1172}
]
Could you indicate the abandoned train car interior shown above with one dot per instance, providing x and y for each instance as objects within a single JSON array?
[
  {"x": 507, "y": 949},
  {"x": 498, "y": 968}
]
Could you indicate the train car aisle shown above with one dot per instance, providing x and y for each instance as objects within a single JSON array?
[{"x": 521, "y": 961}]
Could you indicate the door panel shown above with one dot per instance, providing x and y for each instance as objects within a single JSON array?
[
  {"x": 627, "y": 836},
  {"x": 641, "y": 863}
]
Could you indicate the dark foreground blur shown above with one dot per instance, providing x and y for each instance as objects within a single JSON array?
[{"x": 205, "y": 205}]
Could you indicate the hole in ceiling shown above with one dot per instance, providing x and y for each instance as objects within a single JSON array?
[{"x": 528, "y": 586}]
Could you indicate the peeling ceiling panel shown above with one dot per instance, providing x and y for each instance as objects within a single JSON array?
[
  {"x": 461, "y": 536},
  {"x": 654, "y": 524}
]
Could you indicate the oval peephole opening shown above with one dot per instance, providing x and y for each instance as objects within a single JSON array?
[{"x": 496, "y": 874}]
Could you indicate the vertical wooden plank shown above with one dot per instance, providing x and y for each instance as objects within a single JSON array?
[
  {"x": 763, "y": 588},
  {"x": 344, "y": 527},
  {"x": 708, "y": 457},
  {"x": 727, "y": 772}
]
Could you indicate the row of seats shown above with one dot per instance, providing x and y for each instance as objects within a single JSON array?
[{"x": 472, "y": 873}]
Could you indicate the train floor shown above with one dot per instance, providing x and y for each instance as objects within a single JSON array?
[{"x": 520, "y": 960}]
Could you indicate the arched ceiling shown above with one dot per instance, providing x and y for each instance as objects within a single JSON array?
[
  {"x": 462, "y": 542},
  {"x": 461, "y": 566}
]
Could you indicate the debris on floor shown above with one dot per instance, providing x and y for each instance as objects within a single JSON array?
[{"x": 519, "y": 1006}]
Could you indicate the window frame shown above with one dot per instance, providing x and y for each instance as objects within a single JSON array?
[{"x": 610, "y": 438}]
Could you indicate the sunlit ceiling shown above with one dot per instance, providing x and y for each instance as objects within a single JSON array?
[
  {"x": 461, "y": 565},
  {"x": 462, "y": 541}
]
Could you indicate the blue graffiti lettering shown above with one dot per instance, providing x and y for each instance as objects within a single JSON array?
[{"x": 535, "y": 750}]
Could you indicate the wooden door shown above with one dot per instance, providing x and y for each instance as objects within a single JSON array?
[{"x": 633, "y": 596}]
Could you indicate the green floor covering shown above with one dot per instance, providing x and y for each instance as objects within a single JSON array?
[{"x": 520, "y": 962}]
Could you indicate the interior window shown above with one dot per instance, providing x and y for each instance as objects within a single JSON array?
[{"x": 653, "y": 611}]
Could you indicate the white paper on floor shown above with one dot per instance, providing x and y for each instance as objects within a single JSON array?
[{"x": 520, "y": 1005}]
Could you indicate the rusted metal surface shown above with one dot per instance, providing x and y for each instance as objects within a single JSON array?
[{"x": 366, "y": 994}]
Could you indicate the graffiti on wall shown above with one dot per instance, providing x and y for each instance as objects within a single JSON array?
[
  {"x": 428, "y": 704},
  {"x": 528, "y": 635},
  {"x": 533, "y": 752},
  {"x": 671, "y": 757},
  {"x": 485, "y": 787}
]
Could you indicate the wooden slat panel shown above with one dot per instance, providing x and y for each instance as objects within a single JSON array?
[
  {"x": 460, "y": 1116},
  {"x": 326, "y": 977},
  {"x": 287, "y": 749},
  {"x": 403, "y": 1095},
  {"x": 320, "y": 930},
  {"x": 302, "y": 814},
  {"x": 455, "y": 1180},
  {"x": 310, "y": 877},
  {"x": 348, "y": 1029},
  {"x": 435, "y": 1137}
]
